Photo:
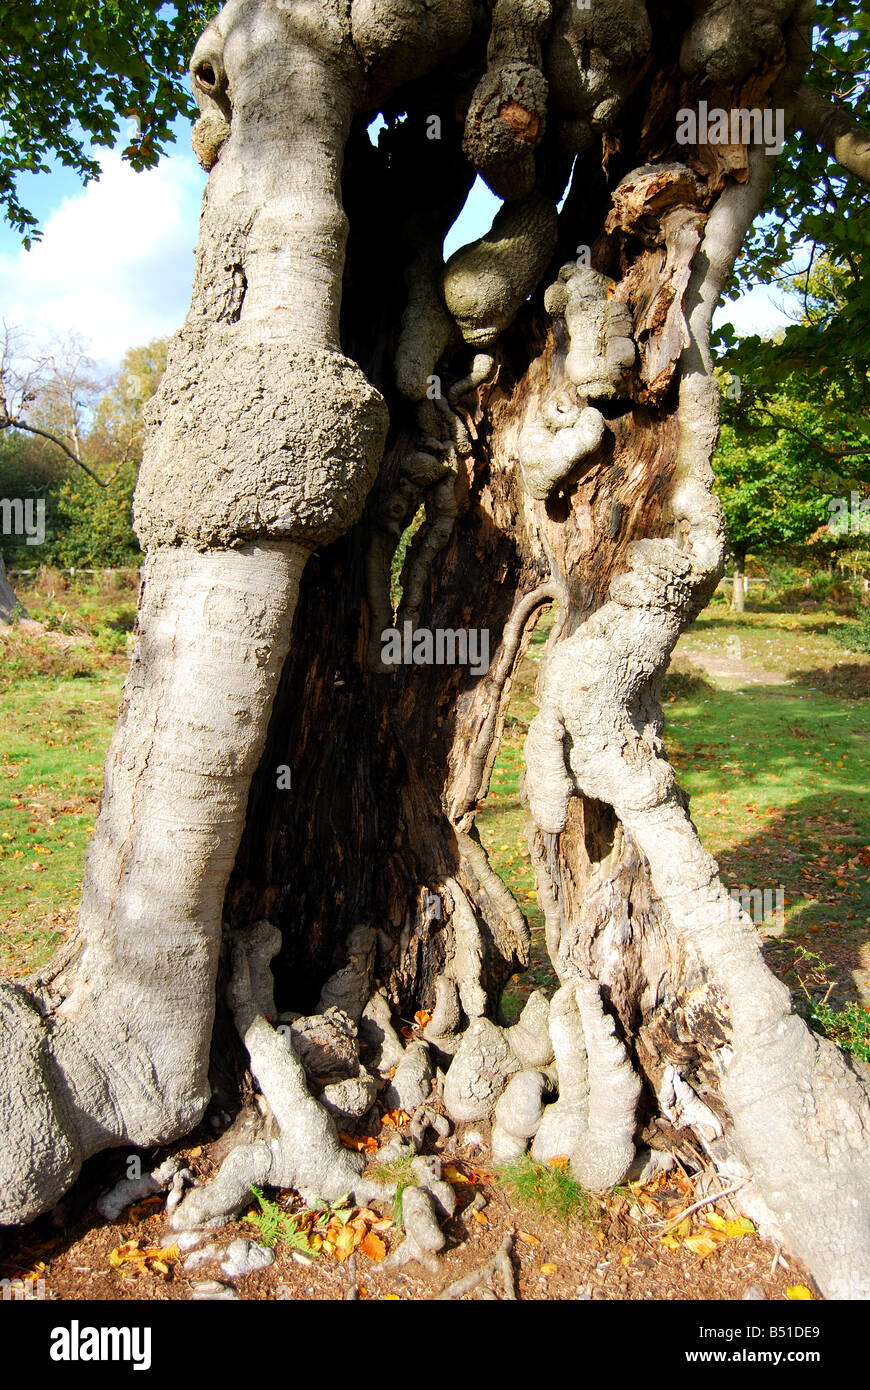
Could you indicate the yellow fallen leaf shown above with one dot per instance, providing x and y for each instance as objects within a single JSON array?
[
  {"x": 798, "y": 1291},
  {"x": 716, "y": 1221},
  {"x": 549, "y": 1269},
  {"x": 559, "y": 1162},
  {"x": 527, "y": 1238},
  {"x": 702, "y": 1243},
  {"x": 344, "y": 1244},
  {"x": 452, "y": 1173},
  {"x": 683, "y": 1229},
  {"x": 671, "y": 1242},
  {"x": 742, "y": 1226},
  {"x": 169, "y": 1252},
  {"x": 480, "y": 1218},
  {"x": 122, "y": 1254},
  {"x": 391, "y": 1298},
  {"x": 195, "y": 1153}
]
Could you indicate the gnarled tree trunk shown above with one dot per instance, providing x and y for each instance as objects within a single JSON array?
[{"x": 547, "y": 399}]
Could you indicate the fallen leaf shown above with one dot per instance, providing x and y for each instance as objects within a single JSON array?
[
  {"x": 480, "y": 1218},
  {"x": 701, "y": 1243},
  {"x": 742, "y": 1226},
  {"x": 423, "y": 1016},
  {"x": 396, "y": 1118},
  {"x": 548, "y": 1269},
  {"x": 452, "y": 1174},
  {"x": 365, "y": 1144},
  {"x": 345, "y": 1243},
  {"x": 145, "y": 1208},
  {"x": 671, "y": 1242},
  {"x": 124, "y": 1253},
  {"x": 716, "y": 1221},
  {"x": 196, "y": 1153},
  {"x": 151, "y": 1257},
  {"x": 559, "y": 1162},
  {"x": 373, "y": 1246},
  {"x": 798, "y": 1292},
  {"x": 527, "y": 1238}
]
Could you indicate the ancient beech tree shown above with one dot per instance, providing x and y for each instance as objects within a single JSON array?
[{"x": 545, "y": 403}]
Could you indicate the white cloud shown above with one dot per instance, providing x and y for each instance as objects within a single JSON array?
[{"x": 115, "y": 263}]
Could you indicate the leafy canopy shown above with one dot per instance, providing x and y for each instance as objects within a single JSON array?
[{"x": 73, "y": 70}]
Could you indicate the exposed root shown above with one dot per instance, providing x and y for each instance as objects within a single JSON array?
[
  {"x": 350, "y": 987},
  {"x": 411, "y": 1086},
  {"x": 605, "y": 1151},
  {"x": 377, "y": 1031},
  {"x": 307, "y": 1155},
  {"x": 424, "y": 1209},
  {"x": 499, "y": 1266},
  {"x": 518, "y": 1115}
]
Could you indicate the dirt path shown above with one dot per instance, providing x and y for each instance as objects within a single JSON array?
[{"x": 724, "y": 667}]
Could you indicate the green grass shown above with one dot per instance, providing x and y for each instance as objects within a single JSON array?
[
  {"x": 57, "y": 732},
  {"x": 397, "y": 1173},
  {"x": 57, "y": 708},
  {"x": 541, "y": 1188}
]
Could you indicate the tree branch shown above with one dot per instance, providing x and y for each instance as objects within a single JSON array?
[
  {"x": 858, "y": 450},
  {"x": 8, "y": 422},
  {"x": 836, "y": 130}
]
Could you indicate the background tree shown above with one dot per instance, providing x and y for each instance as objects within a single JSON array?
[
  {"x": 73, "y": 73},
  {"x": 768, "y": 483},
  {"x": 73, "y": 438},
  {"x": 554, "y": 413}
]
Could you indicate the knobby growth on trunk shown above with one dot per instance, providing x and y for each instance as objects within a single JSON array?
[{"x": 538, "y": 416}]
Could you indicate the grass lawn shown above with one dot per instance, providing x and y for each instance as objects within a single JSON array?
[{"x": 59, "y": 694}]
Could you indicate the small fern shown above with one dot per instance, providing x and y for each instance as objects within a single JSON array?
[{"x": 274, "y": 1225}]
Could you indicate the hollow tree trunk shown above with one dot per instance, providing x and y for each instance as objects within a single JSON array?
[{"x": 554, "y": 411}]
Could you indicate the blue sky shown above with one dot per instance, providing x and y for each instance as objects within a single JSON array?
[{"x": 115, "y": 262}]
